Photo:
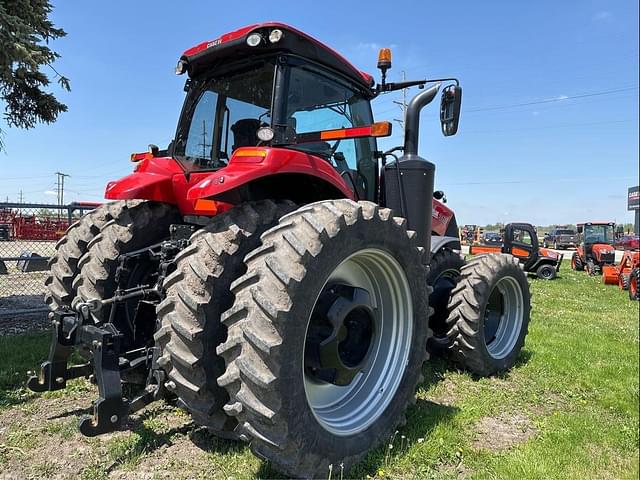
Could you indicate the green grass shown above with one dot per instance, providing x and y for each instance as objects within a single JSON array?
[{"x": 575, "y": 385}]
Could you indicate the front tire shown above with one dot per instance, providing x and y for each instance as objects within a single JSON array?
[
  {"x": 546, "y": 272},
  {"x": 331, "y": 277},
  {"x": 490, "y": 312}
]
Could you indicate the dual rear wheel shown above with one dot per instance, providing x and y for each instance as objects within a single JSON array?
[{"x": 481, "y": 310}]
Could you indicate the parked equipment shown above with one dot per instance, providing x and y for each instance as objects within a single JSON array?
[
  {"x": 621, "y": 273},
  {"x": 470, "y": 234},
  {"x": 263, "y": 271},
  {"x": 595, "y": 247},
  {"x": 521, "y": 241}
]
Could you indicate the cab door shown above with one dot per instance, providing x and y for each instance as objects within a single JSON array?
[{"x": 521, "y": 241}]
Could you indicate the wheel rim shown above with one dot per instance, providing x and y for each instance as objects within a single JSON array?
[
  {"x": 503, "y": 317},
  {"x": 348, "y": 409},
  {"x": 547, "y": 273}
]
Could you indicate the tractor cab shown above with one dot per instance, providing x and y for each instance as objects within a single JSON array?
[
  {"x": 595, "y": 246},
  {"x": 272, "y": 86}
]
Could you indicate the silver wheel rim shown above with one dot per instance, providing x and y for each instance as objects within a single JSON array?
[
  {"x": 348, "y": 410},
  {"x": 510, "y": 317}
]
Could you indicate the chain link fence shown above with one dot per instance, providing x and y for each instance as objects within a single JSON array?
[{"x": 28, "y": 235}]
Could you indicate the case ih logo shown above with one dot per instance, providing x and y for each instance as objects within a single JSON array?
[
  {"x": 215, "y": 42},
  {"x": 633, "y": 202}
]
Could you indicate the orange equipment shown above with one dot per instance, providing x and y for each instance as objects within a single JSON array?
[{"x": 619, "y": 274}]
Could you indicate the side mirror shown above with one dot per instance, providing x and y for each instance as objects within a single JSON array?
[
  {"x": 450, "y": 109},
  {"x": 439, "y": 195},
  {"x": 153, "y": 150}
]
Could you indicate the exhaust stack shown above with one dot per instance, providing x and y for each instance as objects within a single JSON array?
[{"x": 408, "y": 182}]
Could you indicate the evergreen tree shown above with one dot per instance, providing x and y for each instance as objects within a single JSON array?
[{"x": 25, "y": 32}]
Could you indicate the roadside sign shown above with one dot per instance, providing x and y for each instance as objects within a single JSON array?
[{"x": 633, "y": 202}]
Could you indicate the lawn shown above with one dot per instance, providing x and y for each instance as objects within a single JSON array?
[{"x": 569, "y": 409}]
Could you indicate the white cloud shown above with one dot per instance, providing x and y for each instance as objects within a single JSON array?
[
  {"x": 50, "y": 192},
  {"x": 561, "y": 97},
  {"x": 373, "y": 46},
  {"x": 601, "y": 16}
]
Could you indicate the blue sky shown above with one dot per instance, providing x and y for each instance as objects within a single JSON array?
[{"x": 549, "y": 128}]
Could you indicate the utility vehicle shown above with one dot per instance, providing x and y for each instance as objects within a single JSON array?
[
  {"x": 521, "y": 241},
  {"x": 270, "y": 269}
]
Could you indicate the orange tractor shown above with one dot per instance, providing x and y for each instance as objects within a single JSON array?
[{"x": 595, "y": 247}]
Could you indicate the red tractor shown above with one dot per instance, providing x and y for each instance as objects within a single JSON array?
[
  {"x": 595, "y": 247},
  {"x": 270, "y": 269}
]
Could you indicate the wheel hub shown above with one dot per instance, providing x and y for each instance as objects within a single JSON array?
[{"x": 346, "y": 313}]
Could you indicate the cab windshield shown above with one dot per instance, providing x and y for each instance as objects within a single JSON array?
[
  {"x": 221, "y": 114},
  {"x": 598, "y": 234}
]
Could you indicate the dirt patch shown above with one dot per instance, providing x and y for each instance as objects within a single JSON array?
[
  {"x": 502, "y": 432},
  {"x": 40, "y": 439}
]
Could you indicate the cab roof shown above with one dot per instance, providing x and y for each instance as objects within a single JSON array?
[{"x": 293, "y": 41}]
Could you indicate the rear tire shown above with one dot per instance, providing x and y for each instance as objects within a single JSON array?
[
  {"x": 197, "y": 294},
  {"x": 546, "y": 272},
  {"x": 291, "y": 417},
  {"x": 136, "y": 225},
  {"x": 444, "y": 270},
  {"x": 63, "y": 266},
  {"x": 634, "y": 293},
  {"x": 490, "y": 312}
]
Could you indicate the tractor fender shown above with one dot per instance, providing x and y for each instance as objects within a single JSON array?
[
  {"x": 438, "y": 243},
  {"x": 151, "y": 180},
  {"x": 249, "y": 164}
]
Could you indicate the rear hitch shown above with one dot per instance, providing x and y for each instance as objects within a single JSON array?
[
  {"x": 120, "y": 350},
  {"x": 105, "y": 369}
]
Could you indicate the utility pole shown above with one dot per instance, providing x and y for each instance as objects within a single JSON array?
[
  {"x": 20, "y": 200},
  {"x": 403, "y": 105},
  {"x": 60, "y": 185}
]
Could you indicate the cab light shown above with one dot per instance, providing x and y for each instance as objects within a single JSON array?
[
  {"x": 254, "y": 39},
  {"x": 276, "y": 35},
  {"x": 137, "y": 157},
  {"x": 265, "y": 134},
  {"x": 181, "y": 67},
  {"x": 249, "y": 155},
  {"x": 384, "y": 58}
]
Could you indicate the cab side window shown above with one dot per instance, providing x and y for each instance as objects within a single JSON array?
[{"x": 522, "y": 237}]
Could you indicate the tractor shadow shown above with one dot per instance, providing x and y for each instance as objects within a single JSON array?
[{"x": 150, "y": 438}]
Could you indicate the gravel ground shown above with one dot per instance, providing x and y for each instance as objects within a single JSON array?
[{"x": 22, "y": 313}]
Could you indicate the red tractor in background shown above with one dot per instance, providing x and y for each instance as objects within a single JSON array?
[
  {"x": 272, "y": 269},
  {"x": 595, "y": 247}
]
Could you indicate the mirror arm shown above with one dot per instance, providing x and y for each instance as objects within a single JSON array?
[{"x": 393, "y": 86}]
